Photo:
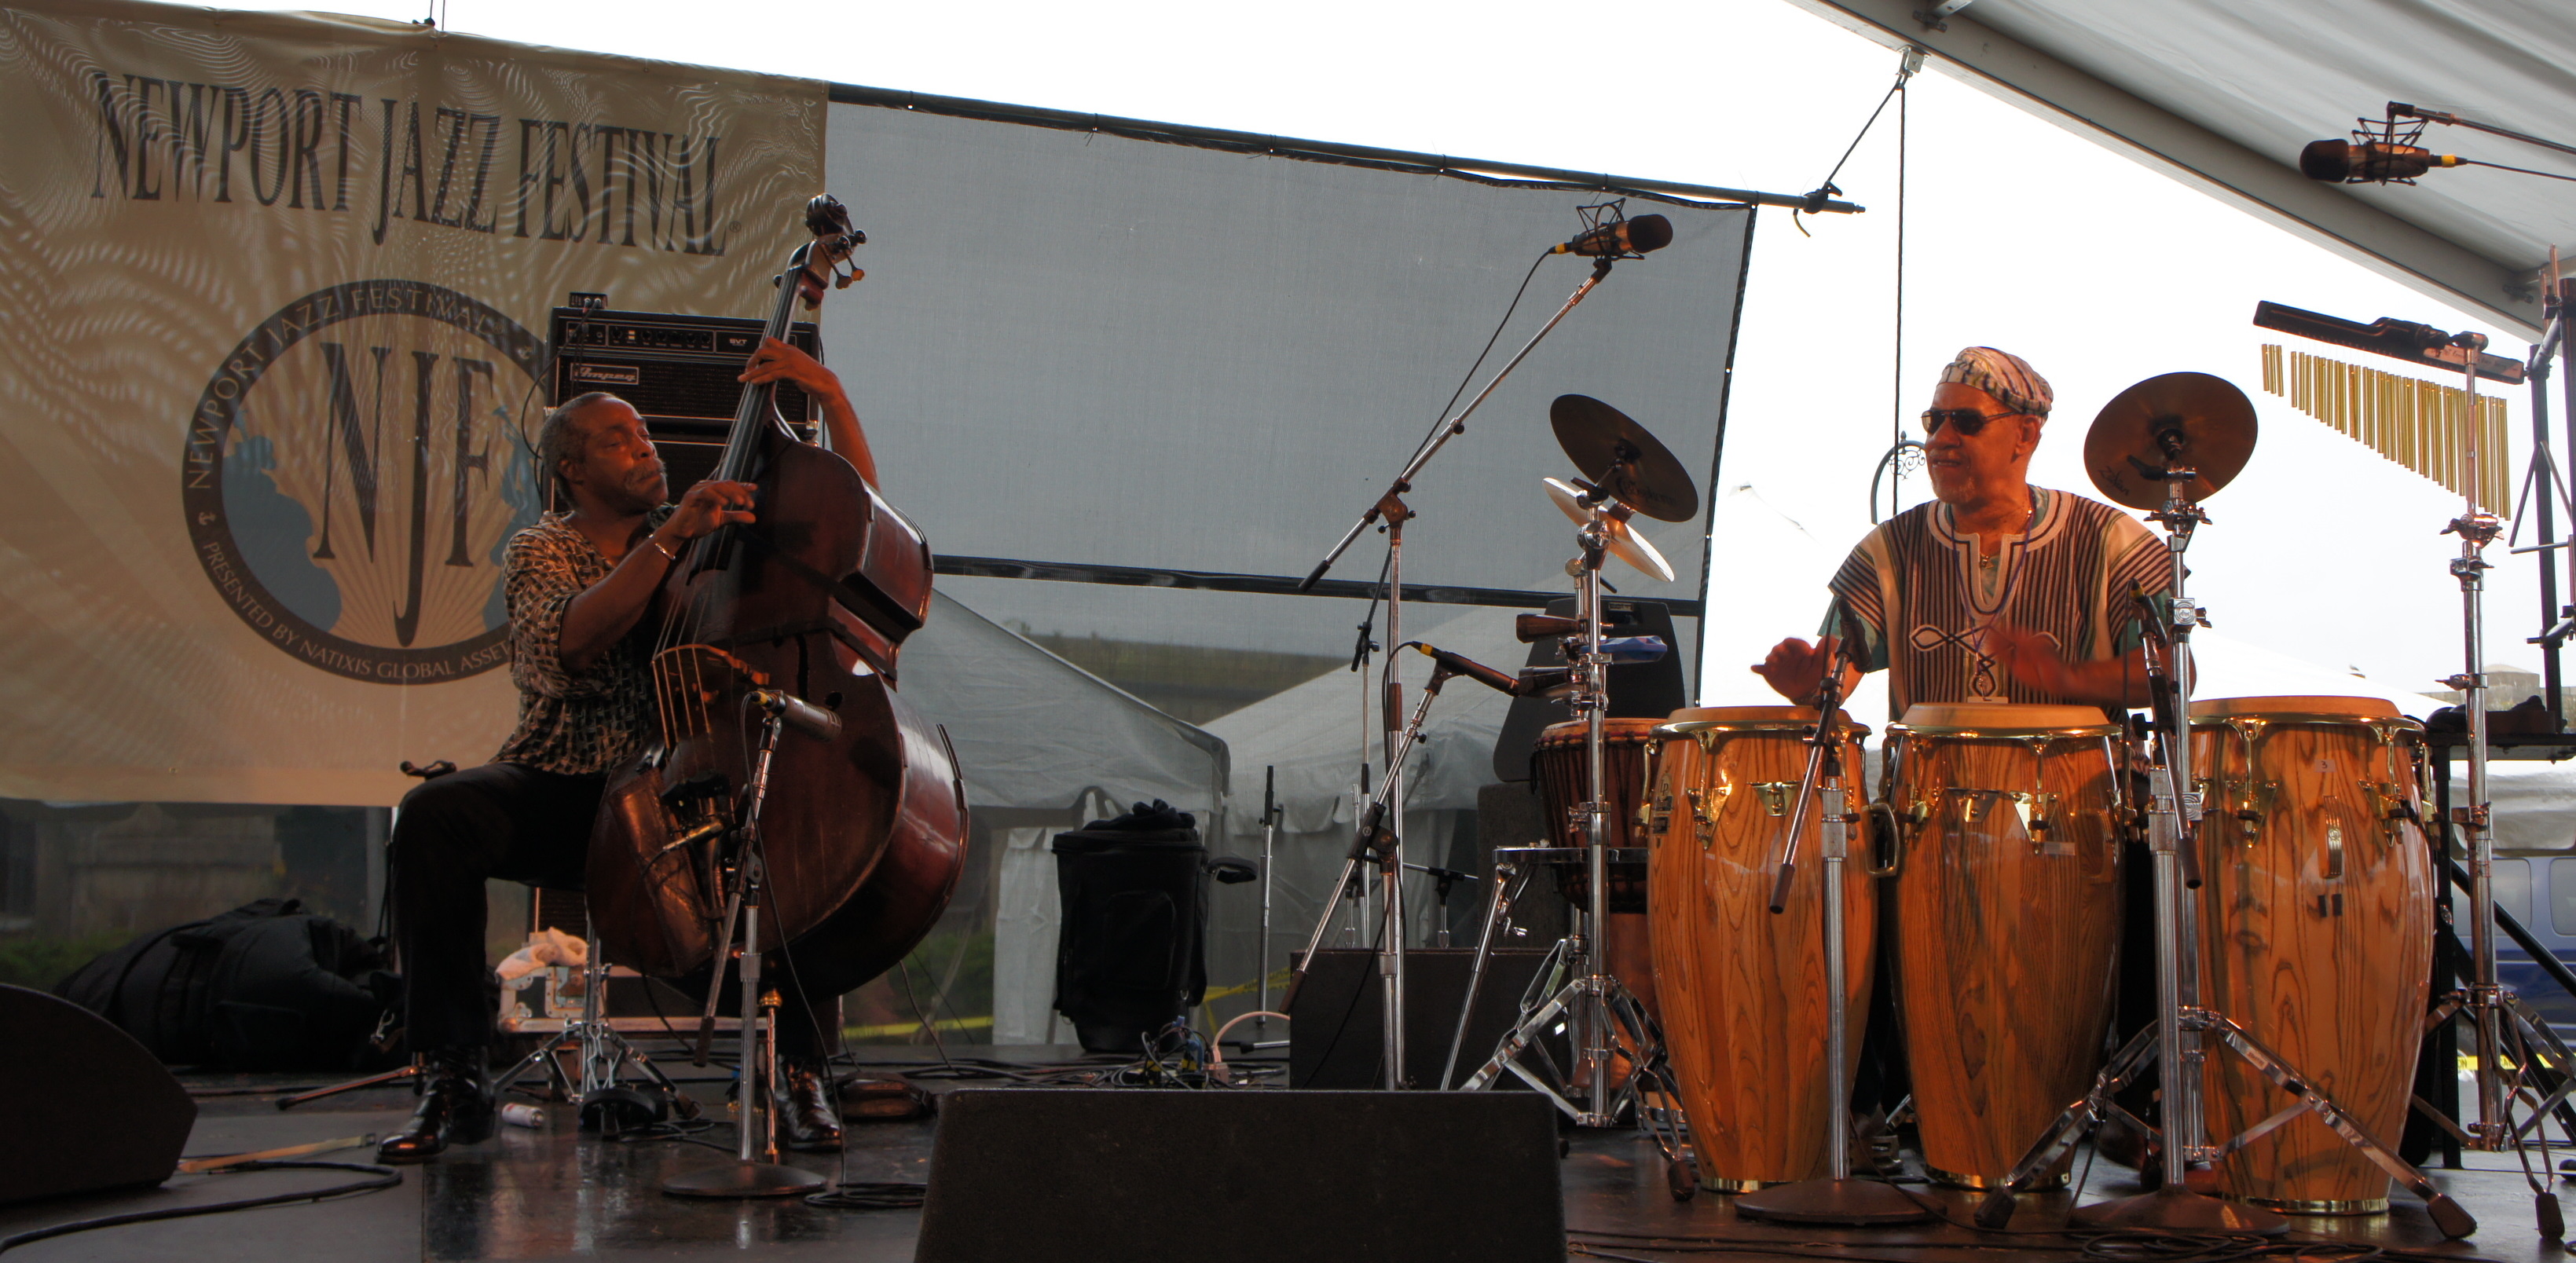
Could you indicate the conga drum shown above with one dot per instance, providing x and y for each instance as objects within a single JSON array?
[
  {"x": 2316, "y": 927},
  {"x": 1557, "y": 768},
  {"x": 2007, "y": 923},
  {"x": 1743, "y": 989}
]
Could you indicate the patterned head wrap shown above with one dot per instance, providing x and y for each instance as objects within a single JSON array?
[{"x": 2008, "y": 377}]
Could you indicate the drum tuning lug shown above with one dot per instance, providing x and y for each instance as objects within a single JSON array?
[{"x": 1775, "y": 795}]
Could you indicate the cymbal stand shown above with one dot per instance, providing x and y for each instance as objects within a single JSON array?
[
  {"x": 2511, "y": 1044},
  {"x": 1838, "y": 1198},
  {"x": 604, "y": 1050},
  {"x": 1608, "y": 1021},
  {"x": 1376, "y": 841},
  {"x": 1392, "y": 511},
  {"x": 755, "y": 1172},
  {"x": 2174, "y": 1042}
]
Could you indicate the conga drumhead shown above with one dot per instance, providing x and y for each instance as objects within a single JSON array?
[
  {"x": 1616, "y": 731},
  {"x": 2001, "y": 717},
  {"x": 2357, "y": 709},
  {"x": 1786, "y": 715}
]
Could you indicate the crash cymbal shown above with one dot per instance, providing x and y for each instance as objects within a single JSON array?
[
  {"x": 2190, "y": 420},
  {"x": 1625, "y": 544},
  {"x": 1618, "y": 456}
]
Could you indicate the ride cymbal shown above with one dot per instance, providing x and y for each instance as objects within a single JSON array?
[
  {"x": 2181, "y": 420},
  {"x": 1620, "y": 457},
  {"x": 1625, "y": 543}
]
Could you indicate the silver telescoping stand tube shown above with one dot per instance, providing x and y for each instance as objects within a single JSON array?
[
  {"x": 1838, "y": 1198},
  {"x": 1269, "y": 839},
  {"x": 1391, "y": 510}
]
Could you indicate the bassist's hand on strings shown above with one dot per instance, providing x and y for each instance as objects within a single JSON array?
[{"x": 707, "y": 506}]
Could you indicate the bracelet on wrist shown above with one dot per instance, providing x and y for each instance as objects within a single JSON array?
[{"x": 660, "y": 547}]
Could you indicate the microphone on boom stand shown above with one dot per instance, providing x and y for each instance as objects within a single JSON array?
[{"x": 1620, "y": 239}]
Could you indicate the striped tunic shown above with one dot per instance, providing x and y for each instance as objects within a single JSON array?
[{"x": 1923, "y": 598}]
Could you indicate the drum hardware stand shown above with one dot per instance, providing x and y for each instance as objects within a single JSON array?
[
  {"x": 1603, "y": 1012},
  {"x": 1270, "y": 816},
  {"x": 1391, "y": 509},
  {"x": 1509, "y": 881},
  {"x": 604, "y": 1050},
  {"x": 2174, "y": 1042},
  {"x": 752, "y": 1174},
  {"x": 2498, "y": 1024},
  {"x": 1839, "y": 1198}
]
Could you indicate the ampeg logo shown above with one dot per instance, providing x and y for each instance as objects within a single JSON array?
[
  {"x": 354, "y": 471},
  {"x": 607, "y": 374}
]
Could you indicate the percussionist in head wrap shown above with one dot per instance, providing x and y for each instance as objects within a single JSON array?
[{"x": 1994, "y": 590}]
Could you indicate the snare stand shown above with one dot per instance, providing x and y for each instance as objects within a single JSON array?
[
  {"x": 1608, "y": 1021},
  {"x": 1838, "y": 1198},
  {"x": 2174, "y": 1042}
]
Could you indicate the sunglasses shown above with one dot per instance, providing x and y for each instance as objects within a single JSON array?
[{"x": 1967, "y": 420}]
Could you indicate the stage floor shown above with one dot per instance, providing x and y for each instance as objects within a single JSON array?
[{"x": 555, "y": 1194}]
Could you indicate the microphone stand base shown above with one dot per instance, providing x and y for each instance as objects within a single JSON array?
[
  {"x": 1852, "y": 1203},
  {"x": 736, "y": 1181},
  {"x": 2179, "y": 1210}
]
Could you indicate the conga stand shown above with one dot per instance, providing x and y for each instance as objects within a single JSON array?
[
  {"x": 1607, "y": 1020},
  {"x": 755, "y": 1172},
  {"x": 2174, "y": 1042},
  {"x": 1839, "y": 1198}
]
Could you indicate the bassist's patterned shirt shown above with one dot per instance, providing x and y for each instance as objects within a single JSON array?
[
  {"x": 582, "y": 724},
  {"x": 1924, "y": 596}
]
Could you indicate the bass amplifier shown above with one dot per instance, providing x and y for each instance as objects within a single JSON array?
[{"x": 677, "y": 370}]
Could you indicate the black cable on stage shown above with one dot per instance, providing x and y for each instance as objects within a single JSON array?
[
  {"x": 868, "y": 1195},
  {"x": 379, "y": 1178}
]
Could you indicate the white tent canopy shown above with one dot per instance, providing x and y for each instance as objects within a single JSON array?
[{"x": 2224, "y": 94}]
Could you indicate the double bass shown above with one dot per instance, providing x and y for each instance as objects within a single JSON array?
[{"x": 857, "y": 820}]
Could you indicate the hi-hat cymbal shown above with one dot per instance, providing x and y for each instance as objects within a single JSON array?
[
  {"x": 1625, "y": 543},
  {"x": 1618, "y": 456},
  {"x": 2183, "y": 420}
]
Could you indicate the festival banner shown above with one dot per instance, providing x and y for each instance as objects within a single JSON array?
[{"x": 274, "y": 290}]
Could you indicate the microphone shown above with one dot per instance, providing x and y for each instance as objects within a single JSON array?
[
  {"x": 2362, "y": 162},
  {"x": 1628, "y": 236},
  {"x": 799, "y": 714},
  {"x": 1469, "y": 667}
]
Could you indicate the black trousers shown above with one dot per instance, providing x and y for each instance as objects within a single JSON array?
[{"x": 514, "y": 823}]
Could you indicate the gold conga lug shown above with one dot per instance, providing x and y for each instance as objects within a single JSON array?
[{"x": 1775, "y": 795}]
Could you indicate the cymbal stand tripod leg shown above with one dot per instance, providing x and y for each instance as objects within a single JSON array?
[{"x": 1508, "y": 881}]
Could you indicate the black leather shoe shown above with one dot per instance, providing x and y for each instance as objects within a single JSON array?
[
  {"x": 454, "y": 1109},
  {"x": 808, "y": 1122}
]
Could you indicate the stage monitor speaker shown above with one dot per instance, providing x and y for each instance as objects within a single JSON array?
[
  {"x": 1638, "y": 690},
  {"x": 677, "y": 370},
  {"x": 1335, "y": 1035},
  {"x": 1079, "y": 1175},
  {"x": 83, "y": 1106}
]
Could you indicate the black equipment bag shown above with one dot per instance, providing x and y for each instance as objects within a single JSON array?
[
  {"x": 266, "y": 986},
  {"x": 1131, "y": 951}
]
